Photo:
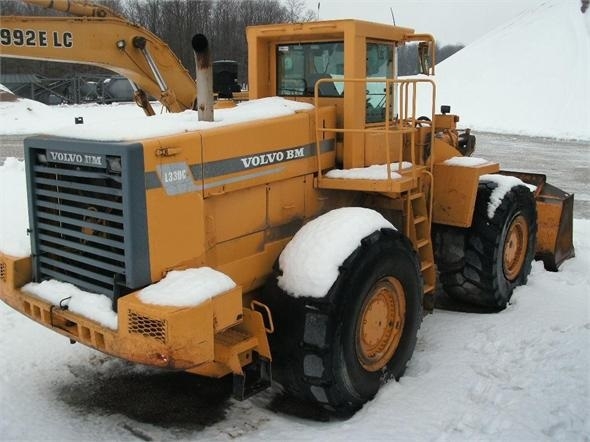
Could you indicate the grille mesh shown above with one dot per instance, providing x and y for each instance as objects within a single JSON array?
[
  {"x": 80, "y": 225},
  {"x": 148, "y": 327}
]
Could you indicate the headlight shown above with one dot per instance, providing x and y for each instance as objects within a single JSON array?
[{"x": 114, "y": 164}]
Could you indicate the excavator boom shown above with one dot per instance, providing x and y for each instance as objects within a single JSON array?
[
  {"x": 109, "y": 42},
  {"x": 82, "y": 9}
]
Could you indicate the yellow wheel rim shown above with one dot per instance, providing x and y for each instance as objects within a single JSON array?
[
  {"x": 380, "y": 324},
  {"x": 515, "y": 247}
]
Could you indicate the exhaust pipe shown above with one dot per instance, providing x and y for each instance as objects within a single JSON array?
[{"x": 204, "y": 77}]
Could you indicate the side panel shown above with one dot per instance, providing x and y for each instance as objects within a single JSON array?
[
  {"x": 174, "y": 202},
  {"x": 265, "y": 151},
  {"x": 235, "y": 214},
  {"x": 286, "y": 201}
]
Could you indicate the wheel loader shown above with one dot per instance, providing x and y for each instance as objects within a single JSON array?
[{"x": 336, "y": 222}]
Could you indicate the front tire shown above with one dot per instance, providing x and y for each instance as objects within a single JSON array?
[
  {"x": 498, "y": 252},
  {"x": 338, "y": 350}
]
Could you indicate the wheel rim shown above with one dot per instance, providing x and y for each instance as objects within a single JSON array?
[
  {"x": 380, "y": 324},
  {"x": 515, "y": 247}
]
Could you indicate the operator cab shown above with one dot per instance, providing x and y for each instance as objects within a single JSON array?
[{"x": 348, "y": 64}]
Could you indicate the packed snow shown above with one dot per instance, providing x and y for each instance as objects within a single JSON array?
[
  {"x": 89, "y": 305},
  {"x": 187, "y": 288},
  {"x": 310, "y": 262},
  {"x": 374, "y": 172},
  {"x": 504, "y": 185},
  {"x": 180, "y": 288},
  {"x": 466, "y": 161},
  {"x": 28, "y": 116}
]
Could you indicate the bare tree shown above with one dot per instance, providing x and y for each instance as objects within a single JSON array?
[{"x": 297, "y": 11}]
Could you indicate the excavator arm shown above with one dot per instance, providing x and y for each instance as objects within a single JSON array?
[
  {"x": 98, "y": 37},
  {"x": 75, "y": 7}
]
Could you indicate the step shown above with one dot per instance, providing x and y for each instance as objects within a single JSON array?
[
  {"x": 396, "y": 185},
  {"x": 425, "y": 265},
  {"x": 420, "y": 219},
  {"x": 420, "y": 243},
  {"x": 428, "y": 288}
]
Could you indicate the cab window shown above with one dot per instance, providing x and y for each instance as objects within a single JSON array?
[
  {"x": 300, "y": 66},
  {"x": 379, "y": 65}
]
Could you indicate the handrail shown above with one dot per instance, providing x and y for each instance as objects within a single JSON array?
[{"x": 405, "y": 121}]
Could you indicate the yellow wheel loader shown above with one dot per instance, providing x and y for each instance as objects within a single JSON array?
[{"x": 336, "y": 220}]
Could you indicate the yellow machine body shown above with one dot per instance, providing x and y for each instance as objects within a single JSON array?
[{"x": 247, "y": 188}]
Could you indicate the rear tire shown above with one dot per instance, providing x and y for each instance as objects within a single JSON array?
[
  {"x": 498, "y": 252},
  {"x": 338, "y": 350}
]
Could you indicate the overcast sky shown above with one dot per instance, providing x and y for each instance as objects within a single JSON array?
[{"x": 450, "y": 21}]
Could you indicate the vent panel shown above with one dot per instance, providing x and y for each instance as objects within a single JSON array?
[
  {"x": 148, "y": 327},
  {"x": 80, "y": 225}
]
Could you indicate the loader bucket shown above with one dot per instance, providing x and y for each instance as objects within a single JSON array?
[{"x": 555, "y": 219}]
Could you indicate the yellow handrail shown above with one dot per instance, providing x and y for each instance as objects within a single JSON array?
[{"x": 404, "y": 122}]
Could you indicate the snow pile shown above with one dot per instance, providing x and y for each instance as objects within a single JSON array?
[
  {"x": 93, "y": 306},
  {"x": 28, "y": 116},
  {"x": 466, "y": 161},
  {"x": 187, "y": 288},
  {"x": 310, "y": 262},
  {"x": 529, "y": 76},
  {"x": 505, "y": 184},
  {"x": 14, "y": 218},
  {"x": 374, "y": 172}
]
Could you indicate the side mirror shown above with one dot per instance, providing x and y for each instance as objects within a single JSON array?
[{"x": 425, "y": 58}]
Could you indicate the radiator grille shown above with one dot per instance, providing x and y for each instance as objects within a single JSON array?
[
  {"x": 148, "y": 327},
  {"x": 79, "y": 225},
  {"x": 2, "y": 271}
]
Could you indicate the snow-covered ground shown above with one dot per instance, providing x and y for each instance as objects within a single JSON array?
[{"x": 519, "y": 375}]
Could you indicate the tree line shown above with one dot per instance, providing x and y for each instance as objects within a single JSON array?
[{"x": 175, "y": 21}]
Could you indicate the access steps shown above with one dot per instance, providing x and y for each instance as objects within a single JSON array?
[{"x": 418, "y": 230}]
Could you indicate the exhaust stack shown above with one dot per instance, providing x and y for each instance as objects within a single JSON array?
[{"x": 204, "y": 77}]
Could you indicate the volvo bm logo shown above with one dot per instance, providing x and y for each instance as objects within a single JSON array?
[{"x": 78, "y": 159}]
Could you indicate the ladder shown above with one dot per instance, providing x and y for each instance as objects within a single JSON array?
[{"x": 418, "y": 230}]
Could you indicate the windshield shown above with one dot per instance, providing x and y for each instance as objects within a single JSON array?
[{"x": 301, "y": 65}]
